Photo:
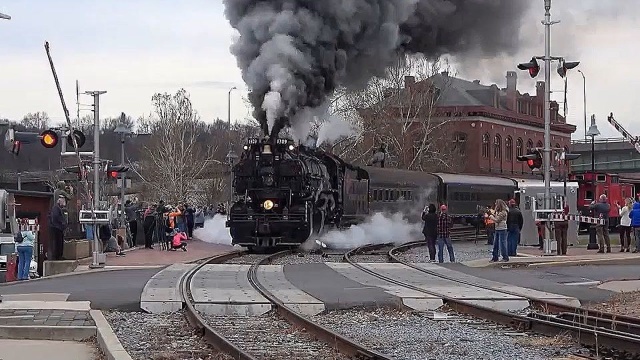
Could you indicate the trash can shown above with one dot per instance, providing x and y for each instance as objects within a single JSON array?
[{"x": 12, "y": 267}]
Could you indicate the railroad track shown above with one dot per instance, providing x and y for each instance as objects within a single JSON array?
[
  {"x": 252, "y": 337},
  {"x": 610, "y": 334}
]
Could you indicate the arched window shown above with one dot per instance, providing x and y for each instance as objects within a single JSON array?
[
  {"x": 508, "y": 148},
  {"x": 497, "y": 147},
  {"x": 485, "y": 145},
  {"x": 539, "y": 144},
  {"x": 529, "y": 144},
  {"x": 519, "y": 151}
]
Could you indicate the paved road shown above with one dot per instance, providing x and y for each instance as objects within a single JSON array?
[
  {"x": 558, "y": 279},
  {"x": 117, "y": 289}
]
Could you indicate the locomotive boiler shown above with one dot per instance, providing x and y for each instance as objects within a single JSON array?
[{"x": 285, "y": 193}]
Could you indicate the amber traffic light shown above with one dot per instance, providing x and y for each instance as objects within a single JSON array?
[{"x": 49, "y": 139}]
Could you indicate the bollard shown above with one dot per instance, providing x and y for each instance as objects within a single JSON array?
[{"x": 12, "y": 268}]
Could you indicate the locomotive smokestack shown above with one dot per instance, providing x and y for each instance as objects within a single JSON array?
[{"x": 294, "y": 53}]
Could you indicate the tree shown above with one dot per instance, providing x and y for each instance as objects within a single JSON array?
[
  {"x": 398, "y": 111},
  {"x": 178, "y": 151},
  {"x": 36, "y": 121}
]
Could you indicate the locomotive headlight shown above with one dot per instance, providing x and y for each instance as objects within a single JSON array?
[
  {"x": 291, "y": 147},
  {"x": 268, "y": 204}
]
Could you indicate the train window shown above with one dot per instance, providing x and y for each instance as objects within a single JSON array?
[
  {"x": 601, "y": 178},
  {"x": 410, "y": 196},
  {"x": 579, "y": 177},
  {"x": 615, "y": 180},
  {"x": 588, "y": 195},
  {"x": 386, "y": 195}
]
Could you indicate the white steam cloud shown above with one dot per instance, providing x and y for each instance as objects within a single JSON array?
[
  {"x": 378, "y": 229},
  {"x": 214, "y": 231},
  {"x": 333, "y": 129}
]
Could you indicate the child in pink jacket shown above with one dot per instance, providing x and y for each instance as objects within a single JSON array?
[{"x": 179, "y": 241}]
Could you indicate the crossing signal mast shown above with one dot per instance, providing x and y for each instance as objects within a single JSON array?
[{"x": 633, "y": 140}]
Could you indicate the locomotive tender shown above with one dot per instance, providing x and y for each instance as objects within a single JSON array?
[{"x": 285, "y": 193}]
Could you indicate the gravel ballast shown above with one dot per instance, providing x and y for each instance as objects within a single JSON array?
[
  {"x": 160, "y": 337},
  {"x": 270, "y": 337},
  {"x": 411, "y": 336}
]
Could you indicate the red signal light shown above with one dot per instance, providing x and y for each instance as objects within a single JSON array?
[
  {"x": 113, "y": 174},
  {"x": 530, "y": 162},
  {"x": 533, "y": 72}
]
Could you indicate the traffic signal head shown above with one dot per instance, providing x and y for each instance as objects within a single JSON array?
[
  {"x": 532, "y": 66},
  {"x": 49, "y": 139},
  {"x": 113, "y": 171},
  {"x": 533, "y": 159},
  {"x": 564, "y": 66},
  {"x": 79, "y": 137},
  {"x": 10, "y": 143}
]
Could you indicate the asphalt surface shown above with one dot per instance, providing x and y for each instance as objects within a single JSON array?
[
  {"x": 334, "y": 289},
  {"x": 116, "y": 289},
  {"x": 558, "y": 279}
]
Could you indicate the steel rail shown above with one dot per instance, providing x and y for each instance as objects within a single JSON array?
[
  {"x": 210, "y": 335},
  {"x": 587, "y": 315},
  {"x": 590, "y": 336},
  {"x": 342, "y": 344}
]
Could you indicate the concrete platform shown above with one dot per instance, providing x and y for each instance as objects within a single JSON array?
[
  {"x": 44, "y": 349},
  {"x": 621, "y": 286},
  {"x": 162, "y": 294},
  {"x": 448, "y": 288},
  {"x": 273, "y": 278},
  {"x": 224, "y": 289},
  {"x": 412, "y": 299},
  {"x": 533, "y": 257},
  {"x": 46, "y": 305},
  {"x": 520, "y": 291}
]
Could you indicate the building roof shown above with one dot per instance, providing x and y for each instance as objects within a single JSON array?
[{"x": 460, "y": 92}]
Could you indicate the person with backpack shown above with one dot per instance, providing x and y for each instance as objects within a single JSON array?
[{"x": 24, "y": 247}]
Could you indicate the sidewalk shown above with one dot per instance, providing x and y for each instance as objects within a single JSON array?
[
  {"x": 576, "y": 255},
  {"x": 46, "y": 349},
  {"x": 141, "y": 257}
]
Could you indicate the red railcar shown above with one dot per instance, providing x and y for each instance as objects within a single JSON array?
[{"x": 591, "y": 186}]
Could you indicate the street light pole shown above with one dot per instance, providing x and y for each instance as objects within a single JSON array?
[
  {"x": 584, "y": 83},
  {"x": 593, "y": 132},
  {"x": 229, "y": 150},
  {"x": 229, "y": 118}
]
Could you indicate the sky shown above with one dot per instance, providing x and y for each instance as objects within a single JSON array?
[{"x": 133, "y": 49}]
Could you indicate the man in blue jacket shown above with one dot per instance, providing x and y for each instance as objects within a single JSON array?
[{"x": 635, "y": 223}]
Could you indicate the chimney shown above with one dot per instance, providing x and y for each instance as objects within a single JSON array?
[
  {"x": 409, "y": 81},
  {"x": 540, "y": 92},
  {"x": 512, "y": 91}
]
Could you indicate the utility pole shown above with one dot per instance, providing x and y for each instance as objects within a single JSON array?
[
  {"x": 230, "y": 155},
  {"x": 123, "y": 131},
  {"x": 96, "y": 174}
]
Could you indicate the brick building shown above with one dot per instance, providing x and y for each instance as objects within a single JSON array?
[{"x": 486, "y": 125}]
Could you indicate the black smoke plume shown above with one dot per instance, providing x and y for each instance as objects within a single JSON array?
[{"x": 294, "y": 53}]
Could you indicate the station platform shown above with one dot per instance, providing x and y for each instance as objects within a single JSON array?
[
  {"x": 576, "y": 255},
  {"x": 46, "y": 349}
]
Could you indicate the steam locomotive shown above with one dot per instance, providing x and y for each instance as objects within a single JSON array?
[{"x": 285, "y": 193}]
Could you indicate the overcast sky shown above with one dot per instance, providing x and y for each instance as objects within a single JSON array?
[{"x": 133, "y": 49}]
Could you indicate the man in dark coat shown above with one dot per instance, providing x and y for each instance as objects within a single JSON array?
[
  {"x": 430, "y": 230},
  {"x": 57, "y": 225},
  {"x": 515, "y": 221}
]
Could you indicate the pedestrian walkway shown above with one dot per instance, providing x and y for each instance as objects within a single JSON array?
[
  {"x": 576, "y": 255},
  {"x": 141, "y": 257},
  {"x": 46, "y": 349}
]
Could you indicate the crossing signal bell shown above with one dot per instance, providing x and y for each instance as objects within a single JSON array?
[
  {"x": 533, "y": 159},
  {"x": 532, "y": 66}
]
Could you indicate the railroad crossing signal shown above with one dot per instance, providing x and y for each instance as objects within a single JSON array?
[
  {"x": 113, "y": 171},
  {"x": 533, "y": 159},
  {"x": 563, "y": 66},
  {"x": 13, "y": 140},
  {"x": 79, "y": 137},
  {"x": 532, "y": 66}
]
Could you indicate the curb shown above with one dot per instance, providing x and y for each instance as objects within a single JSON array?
[
  {"x": 38, "y": 332},
  {"x": 551, "y": 263},
  {"x": 107, "y": 339},
  {"x": 73, "y": 273}
]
